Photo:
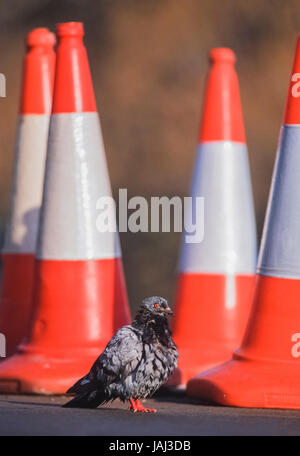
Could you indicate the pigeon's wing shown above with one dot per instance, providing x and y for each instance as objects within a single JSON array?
[{"x": 120, "y": 357}]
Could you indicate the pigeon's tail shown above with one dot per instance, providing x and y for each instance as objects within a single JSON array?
[
  {"x": 87, "y": 394},
  {"x": 90, "y": 399},
  {"x": 83, "y": 385}
]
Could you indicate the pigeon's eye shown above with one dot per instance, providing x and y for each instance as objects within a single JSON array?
[{"x": 156, "y": 305}]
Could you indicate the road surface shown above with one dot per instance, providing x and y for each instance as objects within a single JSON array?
[{"x": 176, "y": 415}]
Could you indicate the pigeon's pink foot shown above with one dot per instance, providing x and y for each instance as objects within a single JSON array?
[
  {"x": 141, "y": 408},
  {"x": 138, "y": 407}
]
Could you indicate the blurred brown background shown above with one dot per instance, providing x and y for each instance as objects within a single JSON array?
[{"x": 148, "y": 60}]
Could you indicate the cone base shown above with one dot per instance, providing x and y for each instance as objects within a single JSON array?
[
  {"x": 16, "y": 298},
  {"x": 190, "y": 364},
  {"x": 79, "y": 306},
  {"x": 211, "y": 312},
  {"x": 249, "y": 383},
  {"x": 33, "y": 373}
]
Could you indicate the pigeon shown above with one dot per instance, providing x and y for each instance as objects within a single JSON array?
[{"x": 134, "y": 364}]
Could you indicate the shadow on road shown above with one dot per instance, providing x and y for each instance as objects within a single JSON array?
[{"x": 163, "y": 395}]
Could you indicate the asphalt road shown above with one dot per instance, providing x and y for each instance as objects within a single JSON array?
[{"x": 176, "y": 415}]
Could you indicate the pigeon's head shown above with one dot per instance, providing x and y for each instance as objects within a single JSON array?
[{"x": 157, "y": 306}]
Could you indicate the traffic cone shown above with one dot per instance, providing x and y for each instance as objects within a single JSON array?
[
  {"x": 265, "y": 370},
  {"x": 31, "y": 145},
  {"x": 79, "y": 297},
  {"x": 216, "y": 276}
]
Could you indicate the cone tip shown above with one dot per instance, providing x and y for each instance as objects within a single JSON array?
[
  {"x": 222, "y": 55},
  {"x": 222, "y": 118},
  {"x": 292, "y": 106},
  {"x": 40, "y": 36},
  {"x": 70, "y": 29}
]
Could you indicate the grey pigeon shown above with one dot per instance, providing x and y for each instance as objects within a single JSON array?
[{"x": 135, "y": 363}]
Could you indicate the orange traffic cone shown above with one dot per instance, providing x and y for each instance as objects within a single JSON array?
[
  {"x": 80, "y": 296},
  {"x": 31, "y": 145},
  {"x": 216, "y": 275},
  {"x": 265, "y": 371}
]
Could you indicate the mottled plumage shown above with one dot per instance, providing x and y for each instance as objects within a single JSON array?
[{"x": 135, "y": 363}]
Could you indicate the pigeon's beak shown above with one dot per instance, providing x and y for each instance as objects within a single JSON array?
[{"x": 168, "y": 311}]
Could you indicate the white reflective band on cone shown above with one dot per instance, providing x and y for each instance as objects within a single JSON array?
[
  {"x": 27, "y": 187},
  {"x": 280, "y": 246},
  {"x": 222, "y": 177},
  {"x": 76, "y": 177}
]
